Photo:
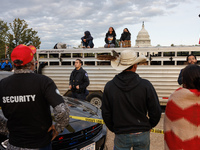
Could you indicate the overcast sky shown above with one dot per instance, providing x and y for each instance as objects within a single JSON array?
[{"x": 167, "y": 21}]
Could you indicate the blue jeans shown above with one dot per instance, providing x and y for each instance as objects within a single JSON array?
[
  {"x": 88, "y": 43},
  {"x": 111, "y": 46},
  {"x": 137, "y": 141}
]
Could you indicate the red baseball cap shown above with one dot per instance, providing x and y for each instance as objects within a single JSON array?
[
  {"x": 23, "y": 53},
  {"x": 32, "y": 48}
]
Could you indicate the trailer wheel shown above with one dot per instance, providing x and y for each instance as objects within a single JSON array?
[{"x": 95, "y": 99}]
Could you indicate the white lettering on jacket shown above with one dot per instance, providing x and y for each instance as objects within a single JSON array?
[{"x": 18, "y": 99}]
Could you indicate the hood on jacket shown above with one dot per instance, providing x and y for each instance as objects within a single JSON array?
[
  {"x": 87, "y": 33},
  {"x": 126, "y": 80}
]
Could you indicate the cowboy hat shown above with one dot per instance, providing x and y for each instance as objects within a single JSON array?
[{"x": 127, "y": 59}]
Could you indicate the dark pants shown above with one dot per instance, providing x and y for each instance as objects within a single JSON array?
[
  {"x": 48, "y": 147},
  {"x": 80, "y": 96},
  {"x": 11, "y": 147}
]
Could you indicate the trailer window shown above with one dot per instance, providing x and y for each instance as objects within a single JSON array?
[
  {"x": 79, "y": 55},
  {"x": 196, "y": 53},
  {"x": 66, "y": 55},
  {"x": 181, "y": 62},
  {"x": 89, "y": 63},
  {"x": 42, "y": 55},
  {"x": 169, "y": 54},
  {"x": 66, "y": 63},
  {"x": 182, "y": 53},
  {"x": 155, "y": 62},
  {"x": 168, "y": 63},
  {"x": 53, "y": 55},
  {"x": 54, "y": 63},
  {"x": 89, "y": 55}
]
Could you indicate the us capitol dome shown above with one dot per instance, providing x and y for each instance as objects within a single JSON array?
[{"x": 143, "y": 39}]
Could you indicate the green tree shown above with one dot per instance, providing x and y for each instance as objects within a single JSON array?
[
  {"x": 21, "y": 34},
  {"x": 16, "y": 33}
]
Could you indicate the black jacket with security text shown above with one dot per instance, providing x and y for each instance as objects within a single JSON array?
[
  {"x": 127, "y": 100},
  {"x": 25, "y": 99}
]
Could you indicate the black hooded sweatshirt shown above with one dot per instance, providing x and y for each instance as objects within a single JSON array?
[
  {"x": 125, "y": 36},
  {"x": 127, "y": 100},
  {"x": 87, "y": 36},
  {"x": 111, "y": 36}
]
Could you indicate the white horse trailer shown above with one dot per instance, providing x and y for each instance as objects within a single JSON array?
[{"x": 161, "y": 69}]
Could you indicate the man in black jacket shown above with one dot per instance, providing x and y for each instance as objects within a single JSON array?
[
  {"x": 79, "y": 81},
  {"x": 130, "y": 106},
  {"x": 25, "y": 99},
  {"x": 191, "y": 59}
]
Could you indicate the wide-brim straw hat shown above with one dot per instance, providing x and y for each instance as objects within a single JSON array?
[{"x": 127, "y": 59}]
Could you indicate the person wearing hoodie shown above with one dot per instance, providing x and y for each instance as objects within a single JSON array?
[
  {"x": 125, "y": 38},
  {"x": 130, "y": 105},
  {"x": 110, "y": 38},
  {"x": 87, "y": 40}
]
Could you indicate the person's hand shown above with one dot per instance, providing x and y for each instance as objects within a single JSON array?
[
  {"x": 77, "y": 87},
  {"x": 54, "y": 132},
  {"x": 108, "y": 45},
  {"x": 84, "y": 40},
  {"x": 70, "y": 86}
]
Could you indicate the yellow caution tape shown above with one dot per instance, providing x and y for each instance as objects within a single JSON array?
[
  {"x": 88, "y": 119},
  {"x": 157, "y": 131},
  {"x": 102, "y": 122}
]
